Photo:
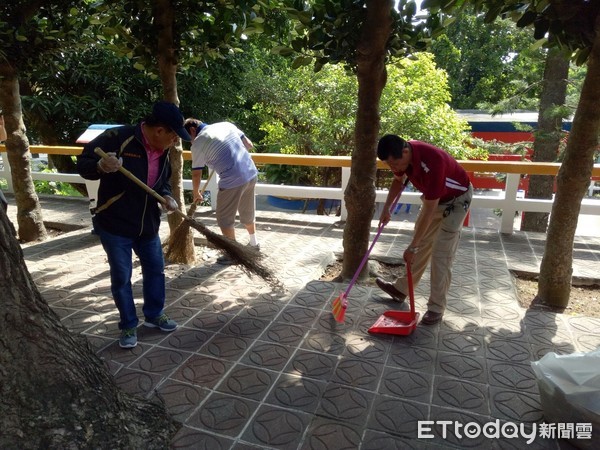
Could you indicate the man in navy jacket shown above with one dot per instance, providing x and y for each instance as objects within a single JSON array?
[{"x": 127, "y": 218}]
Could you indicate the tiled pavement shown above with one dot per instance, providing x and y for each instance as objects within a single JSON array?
[{"x": 252, "y": 366}]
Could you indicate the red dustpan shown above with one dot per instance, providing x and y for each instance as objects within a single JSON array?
[{"x": 399, "y": 322}]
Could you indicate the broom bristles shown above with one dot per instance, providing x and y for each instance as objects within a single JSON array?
[
  {"x": 338, "y": 310},
  {"x": 181, "y": 240},
  {"x": 240, "y": 254}
]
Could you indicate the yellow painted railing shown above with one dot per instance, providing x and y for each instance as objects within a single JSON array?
[{"x": 510, "y": 202}]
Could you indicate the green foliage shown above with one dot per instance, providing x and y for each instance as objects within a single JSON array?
[
  {"x": 59, "y": 105},
  {"x": 414, "y": 105},
  {"x": 327, "y": 31},
  {"x": 490, "y": 62},
  {"x": 202, "y": 31},
  {"x": 570, "y": 24},
  {"x": 303, "y": 112},
  {"x": 55, "y": 187},
  {"x": 31, "y": 32}
]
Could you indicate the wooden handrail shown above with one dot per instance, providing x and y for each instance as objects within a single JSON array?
[{"x": 525, "y": 167}]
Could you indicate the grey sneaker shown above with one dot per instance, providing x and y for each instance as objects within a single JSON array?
[
  {"x": 254, "y": 247},
  {"x": 128, "y": 338},
  {"x": 163, "y": 322}
]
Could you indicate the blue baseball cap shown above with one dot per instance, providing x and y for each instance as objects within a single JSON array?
[{"x": 169, "y": 114}]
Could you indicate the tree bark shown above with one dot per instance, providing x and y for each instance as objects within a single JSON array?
[
  {"x": 573, "y": 179},
  {"x": 360, "y": 192},
  {"x": 548, "y": 135},
  {"x": 164, "y": 16},
  {"x": 29, "y": 213},
  {"x": 54, "y": 392}
]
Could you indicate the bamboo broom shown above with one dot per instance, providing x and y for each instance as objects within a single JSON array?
[
  {"x": 245, "y": 256},
  {"x": 177, "y": 244}
]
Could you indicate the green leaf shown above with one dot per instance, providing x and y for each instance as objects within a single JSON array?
[
  {"x": 527, "y": 19},
  {"x": 282, "y": 51}
]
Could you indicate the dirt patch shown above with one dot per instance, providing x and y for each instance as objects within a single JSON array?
[
  {"x": 584, "y": 300},
  {"x": 376, "y": 269}
]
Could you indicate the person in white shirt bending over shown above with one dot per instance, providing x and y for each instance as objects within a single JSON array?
[{"x": 224, "y": 148}]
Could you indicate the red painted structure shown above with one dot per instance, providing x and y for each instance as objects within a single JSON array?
[{"x": 502, "y": 128}]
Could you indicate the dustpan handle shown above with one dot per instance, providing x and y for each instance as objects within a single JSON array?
[
  {"x": 411, "y": 290},
  {"x": 379, "y": 230}
]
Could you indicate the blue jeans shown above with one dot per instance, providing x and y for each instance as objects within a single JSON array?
[{"x": 119, "y": 252}]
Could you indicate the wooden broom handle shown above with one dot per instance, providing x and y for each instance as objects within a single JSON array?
[{"x": 140, "y": 183}]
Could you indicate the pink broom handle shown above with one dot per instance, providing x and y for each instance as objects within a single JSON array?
[{"x": 379, "y": 230}]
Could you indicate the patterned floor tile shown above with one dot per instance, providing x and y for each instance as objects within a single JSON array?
[
  {"x": 463, "y": 367},
  {"x": 517, "y": 377},
  {"x": 160, "y": 360},
  {"x": 186, "y": 339},
  {"x": 345, "y": 403},
  {"x": 223, "y": 414},
  {"x": 312, "y": 365},
  {"x": 267, "y": 355},
  {"x": 460, "y": 394},
  {"x": 225, "y": 346},
  {"x": 324, "y": 342},
  {"x": 136, "y": 382},
  {"x": 188, "y": 438},
  {"x": 413, "y": 358},
  {"x": 358, "y": 373},
  {"x": 274, "y": 427},
  {"x": 407, "y": 384},
  {"x": 449, "y": 429},
  {"x": 467, "y": 344},
  {"x": 397, "y": 416},
  {"x": 202, "y": 371},
  {"x": 284, "y": 334},
  {"x": 516, "y": 406},
  {"x": 248, "y": 382},
  {"x": 181, "y": 399},
  {"x": 295, "y": 392},
  {"x": 326, "y": 434}
]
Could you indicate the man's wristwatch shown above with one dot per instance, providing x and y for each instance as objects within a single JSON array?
[{"x": 412, "y": 249}]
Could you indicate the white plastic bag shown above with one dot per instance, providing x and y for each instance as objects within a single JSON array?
[{"x": 570, "y": 390}]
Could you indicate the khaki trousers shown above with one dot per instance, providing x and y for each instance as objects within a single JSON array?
[{"x": 439, "y": 246}]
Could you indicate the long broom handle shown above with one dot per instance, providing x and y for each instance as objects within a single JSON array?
[
  {"x": 379, "y": 230},
  {"x": 140, "y": 183}
]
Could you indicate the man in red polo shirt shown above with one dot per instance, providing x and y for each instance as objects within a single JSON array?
[{"x": 447, "y": 194}]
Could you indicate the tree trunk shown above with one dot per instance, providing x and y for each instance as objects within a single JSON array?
[
  {"x": 164, "y": 16},
  {"x": 29, "y": 213},
  {"x": 548, "y": 135},
  {"x": 572, "y": 182},
  {"x": 360, "y": 192},
  {"x": 54, "y": 392}
]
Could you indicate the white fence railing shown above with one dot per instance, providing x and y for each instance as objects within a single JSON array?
[{"x": 509, "y": 201}]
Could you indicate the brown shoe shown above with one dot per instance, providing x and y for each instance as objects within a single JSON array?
[
  {"x": 431, "y": 318},
  {"x": 391, "y": 290}
]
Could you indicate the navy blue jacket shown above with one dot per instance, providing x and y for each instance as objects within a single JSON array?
[{"x": 124, "y": 208}]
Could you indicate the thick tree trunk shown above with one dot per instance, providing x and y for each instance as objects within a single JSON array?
[
  {"x": 164, "y": 15},
  {"x": 360, "y": 192},
  {"x": 29, "y": 213},
  {"x": 54, "y": 392},
  {"x": 548, "y": 135},
  {"x": 572, "y": 182}
]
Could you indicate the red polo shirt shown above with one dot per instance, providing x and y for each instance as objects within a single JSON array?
[{"x": 435, "y": 173}]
